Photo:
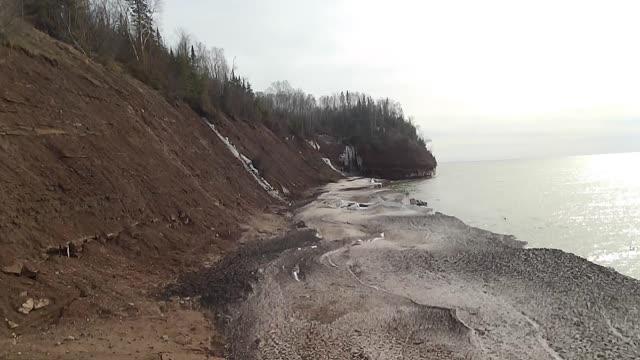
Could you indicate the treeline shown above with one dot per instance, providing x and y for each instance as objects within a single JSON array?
[
  {"x": 351, "y": 115},
  {"x": 125, "y": 32}
]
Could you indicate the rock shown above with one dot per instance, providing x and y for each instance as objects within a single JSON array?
[
  {"x": 11, "y": 324},
  {"x": 20, "y": 269},
  {"x": 165, "y": 337},
  {"x": 418, "y": 202},
  {"x": 29, "y": 271},
  {"x": 162, "y": 306},
  {"x": 13, "y": 269},
  {"x": 23, "y": 294},
  {"x": 27, "y": 306},
  {"x": 68, "y": 338},
  {"x": 300, "y": 224},
  {"x": 40, "y": 303},
  {"x": 166, "y": 356}
]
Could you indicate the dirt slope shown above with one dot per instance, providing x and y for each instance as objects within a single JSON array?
[
  {"x": 293, "y": 166},
  {"x": 141, "y": 187}
]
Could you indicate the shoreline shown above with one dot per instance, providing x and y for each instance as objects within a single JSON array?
[{"x": 395, "y": 280}]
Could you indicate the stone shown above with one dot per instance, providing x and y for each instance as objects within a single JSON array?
[
  {"x": 418, "y": 202},
  {"x": 26, "y": 307},
  {"x": 20, "y": 269},
  {"x": 162, "y": 306},
  {"x": 29, "y": 271},
  {"x": 11, "y": 324},
  {"x": 165, "y": 337},
  {"x": 13, "y": 269},
  {"x": 40, "y": 303}
]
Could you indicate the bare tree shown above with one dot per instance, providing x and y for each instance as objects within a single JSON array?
[{"x": 138, "y": 23}]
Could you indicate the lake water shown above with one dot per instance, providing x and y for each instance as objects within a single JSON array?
[{"x": 586, "y": 205}]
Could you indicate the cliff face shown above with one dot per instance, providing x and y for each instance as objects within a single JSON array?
[
  {"x": 392, "y": 157},
  {"x": 92, "y": 157}
]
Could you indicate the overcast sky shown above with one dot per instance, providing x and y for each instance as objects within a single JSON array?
[{"x": 484, "y": 79}]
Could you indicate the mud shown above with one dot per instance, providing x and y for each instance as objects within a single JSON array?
[{"x": 397, "y": 281}]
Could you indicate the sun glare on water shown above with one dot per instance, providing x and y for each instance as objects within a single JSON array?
[{"x": 611, "y": 182}]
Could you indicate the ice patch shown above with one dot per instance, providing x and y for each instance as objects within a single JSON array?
[
  {"x": 246, "y": 163},
  {"x": 375, "y": 183},
  {"x": 296, "y": 271},
  {"x": 349, "y": 205},
  {"x": 314, "y": 145},
  {"x": 350, "y": 158},
  {"x": 328, "y": 162}
]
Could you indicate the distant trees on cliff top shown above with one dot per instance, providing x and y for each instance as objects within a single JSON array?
[{"x": 125, "y": 32}]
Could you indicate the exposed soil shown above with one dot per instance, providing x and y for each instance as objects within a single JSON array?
[{"x": 108, "y": 193}]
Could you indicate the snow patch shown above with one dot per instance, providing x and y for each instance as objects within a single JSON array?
[
  {"x": 328, "y": 162},
  {"x": 349, "y": 205},
  {"x": 350, "y": 158},
  {"x": 296, "y": 271},
  {"x": 246, "y": 163},
  {"x": 314, "y": 145},
  {"x": 375, "y": 183}
]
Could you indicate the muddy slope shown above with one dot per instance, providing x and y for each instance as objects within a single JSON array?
[
  {"x": 140, "y": 186},
  {"x": 391, "y": 280}
]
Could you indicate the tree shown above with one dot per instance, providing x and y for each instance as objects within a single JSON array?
[
  {"x": 140, "y": 25},
  {"x": 123, "y": 31}
]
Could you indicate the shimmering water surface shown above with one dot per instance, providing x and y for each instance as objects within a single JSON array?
[{"x": 586, "y": 205}]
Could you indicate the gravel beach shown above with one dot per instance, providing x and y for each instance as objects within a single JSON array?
[{"x": 369, "y": 275}]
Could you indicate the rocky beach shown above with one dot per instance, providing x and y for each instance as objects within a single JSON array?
[{"x": 367, "y": 274}]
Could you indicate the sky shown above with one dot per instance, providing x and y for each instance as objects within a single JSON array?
[{"x": 484, "y": 80}]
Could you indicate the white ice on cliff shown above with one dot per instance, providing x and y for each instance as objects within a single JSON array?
[
  {"x": 350, "y": 158},
  {"x": 314, "y": 144},
  {"x": 328, "y": 162},
  {"x": 246, "y": 163}
]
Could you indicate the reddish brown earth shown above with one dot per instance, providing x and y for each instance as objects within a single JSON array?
[
  {"x": 294, "y": 166},
  {"x": 142, "y": 188}
]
